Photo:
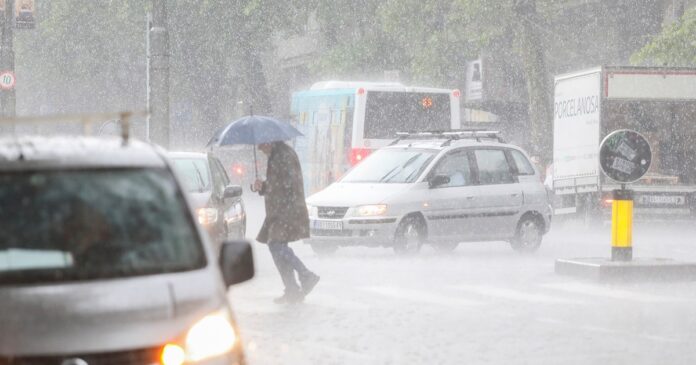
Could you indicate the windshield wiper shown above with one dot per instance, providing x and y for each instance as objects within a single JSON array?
[
  {"x": 201, "y": 184},
  {"x": 408, "y": 162}
]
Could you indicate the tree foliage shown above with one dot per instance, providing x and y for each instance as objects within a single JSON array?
[{"x": 674, "y": 46}]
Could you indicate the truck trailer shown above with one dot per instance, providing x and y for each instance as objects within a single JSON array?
[{"x": 659, "y": 103}]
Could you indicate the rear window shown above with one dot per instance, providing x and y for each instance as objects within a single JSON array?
[
  {"x": 82, "y": 225},
  {"x": 523, "y": 165},
  {"x": 389, "y": 112}
]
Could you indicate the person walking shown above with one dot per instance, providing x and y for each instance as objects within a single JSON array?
[{"x": 286, "y": 220}]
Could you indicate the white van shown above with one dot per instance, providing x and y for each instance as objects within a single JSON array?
[
  {"x": 436, "y": 188},
  {"x": 102, "y": 262}
]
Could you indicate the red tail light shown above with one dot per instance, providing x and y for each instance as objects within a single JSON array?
[
  {"x": 456, "y": 93},
  {"x": 238, "y": 169},
  {"x": 358, "y": 154}
]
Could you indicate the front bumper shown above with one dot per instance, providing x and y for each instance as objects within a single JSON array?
[{"x": 353, "y": 231}]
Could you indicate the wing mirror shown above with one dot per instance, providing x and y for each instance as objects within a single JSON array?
[
  {"x": 236, "y": 262},
  {"x": 232, "y": 191},
  {"x": 438, "y": 180}
]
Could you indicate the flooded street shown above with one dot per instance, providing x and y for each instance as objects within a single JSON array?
[{"x": 483, "y": 303}]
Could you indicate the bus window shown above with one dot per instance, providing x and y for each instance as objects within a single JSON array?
[{"x": 389, "y": 112}]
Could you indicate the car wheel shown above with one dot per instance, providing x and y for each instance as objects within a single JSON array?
[
  {"x": 528, "y": 235},
  {"x": 445, "y": 246},
  {"x": 324, "y": 249},
  {"x": 409, "y": 236}
]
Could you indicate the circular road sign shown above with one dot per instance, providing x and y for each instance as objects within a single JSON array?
[
  {"x": 7, "y": 80},
  {"x": 625, "y": 156}
]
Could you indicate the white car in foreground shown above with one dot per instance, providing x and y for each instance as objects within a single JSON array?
[{"x": 440, "y": 189}]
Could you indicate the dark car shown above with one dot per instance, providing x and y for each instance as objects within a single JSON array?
[{"x": 218, "y": 205}]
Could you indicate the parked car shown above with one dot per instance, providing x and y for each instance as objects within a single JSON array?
[
  {"x": 102, "y": 262},
  {"x": 218, "y": 204},
  {"x": 436, "y": 188}
]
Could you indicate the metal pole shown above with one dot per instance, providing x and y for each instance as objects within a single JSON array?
[
  {"x": 7, "y": 97},
  {"x": 622, "y": 226},
  {"x": 158, "y": 75}
]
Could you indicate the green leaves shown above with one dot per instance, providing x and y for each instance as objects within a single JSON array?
[{"x": 674, "y": 46}]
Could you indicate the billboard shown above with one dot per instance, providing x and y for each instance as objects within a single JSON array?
[
  {"x": 24, "y": 14},
  {"x": 474, "y": 81}
]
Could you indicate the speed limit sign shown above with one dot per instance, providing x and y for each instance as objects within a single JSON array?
[{"x": 7, "y": 80}]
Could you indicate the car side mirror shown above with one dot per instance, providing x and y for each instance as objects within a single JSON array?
[
  {"x": 236, "y": 262},
  {"x": 232, "y": 191},
  {"x": 438, "y": 180}
]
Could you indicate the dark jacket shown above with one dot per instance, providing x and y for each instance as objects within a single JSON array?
[{"x": 286, "y": 211}]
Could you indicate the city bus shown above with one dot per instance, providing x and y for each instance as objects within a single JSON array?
[{"x": 344, "y": 121}]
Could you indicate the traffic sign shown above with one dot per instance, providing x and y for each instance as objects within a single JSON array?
[
  {"x": 7, "y": 80},
  {"x": 625, "y": 156}
]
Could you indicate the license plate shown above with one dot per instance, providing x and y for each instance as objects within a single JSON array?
[
  {"x": 328, "y": 225},
  {"x": 662, "y": 200}
]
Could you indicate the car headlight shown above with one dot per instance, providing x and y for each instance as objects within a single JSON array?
[
  {"x": 207, "y": 216},
  {"x": 312, "y": 210},
  {"x": 371, "y": 210},
  {"x": 211, "y": 336}
]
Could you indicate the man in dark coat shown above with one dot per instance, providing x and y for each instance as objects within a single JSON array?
[{"x": 286, "y": 220}]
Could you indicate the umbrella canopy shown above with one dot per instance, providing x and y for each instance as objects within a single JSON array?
[{"x": 254, "y": 129}]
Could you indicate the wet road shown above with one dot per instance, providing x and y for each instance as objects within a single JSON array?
[{"x": 482, "y": 304}]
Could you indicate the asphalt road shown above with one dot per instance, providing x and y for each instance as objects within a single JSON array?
[{"x": 482, "y": 304}]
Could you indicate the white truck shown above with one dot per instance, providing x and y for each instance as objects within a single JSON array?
[{"x": 659, "y": 103}]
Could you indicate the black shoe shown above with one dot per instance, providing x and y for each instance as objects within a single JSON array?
[
  {"x": 290, "y": 298},
  {"x": 309, "y": 283}
]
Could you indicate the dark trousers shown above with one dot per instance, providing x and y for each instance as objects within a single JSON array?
[{"x": 287, "y": 263}]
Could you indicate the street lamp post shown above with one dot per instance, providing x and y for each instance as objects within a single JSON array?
[{"x": 158, "y": 75}]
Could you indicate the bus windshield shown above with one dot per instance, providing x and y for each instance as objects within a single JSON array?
[{"x": 389, "y": 112}]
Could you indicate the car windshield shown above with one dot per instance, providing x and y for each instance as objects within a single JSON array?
[
  {"x": 194, "y": 173},
  {"x": 391, "y": 166},
  {"x": 82, "y": 225}
]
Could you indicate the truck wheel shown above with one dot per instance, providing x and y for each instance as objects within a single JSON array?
[
  {"x": 324, "y": 249},
  {"x": 409, "y": 236},
  {"x": 528, "y": 235}
]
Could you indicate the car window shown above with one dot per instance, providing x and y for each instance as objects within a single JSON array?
[
  {"x": 218, "y": 179},
  {"x": 523, "y": 165},
  {"x": 456, "y": 167},
  {"x": 82, "y": 225},
  {"x": 223, "y": 172},
  {"x": 391, "y": 165},
  {"x": 194, "y": 173},
  {"x": 493, "y": 167}
]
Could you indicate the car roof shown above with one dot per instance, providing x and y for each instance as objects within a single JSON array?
[
  {"x": 180, "y": 154},
  {"x": 25, "y": 152},
  {"x": 445, "y": 144}
]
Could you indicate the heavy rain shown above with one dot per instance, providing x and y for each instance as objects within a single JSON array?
[{"x": 347, "y": 182}]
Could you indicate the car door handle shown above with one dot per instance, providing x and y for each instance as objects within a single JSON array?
[
  {"x": 515, "y": 195},
  {"x": 469, "y": 198}
]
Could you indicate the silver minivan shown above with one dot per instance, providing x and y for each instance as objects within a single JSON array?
[
  {"x": 436, "y": 188},
  {"x": 102, "y": 262}
]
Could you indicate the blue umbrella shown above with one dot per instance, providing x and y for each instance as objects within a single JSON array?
[{"x": 253, "y": 130}]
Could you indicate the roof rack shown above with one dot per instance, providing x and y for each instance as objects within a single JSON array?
[
  {"x": 87, "y": 120},
  {"x": 450, "y": 136}
]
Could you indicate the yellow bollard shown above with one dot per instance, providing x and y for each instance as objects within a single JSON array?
[{"x": 622, "y": 226}]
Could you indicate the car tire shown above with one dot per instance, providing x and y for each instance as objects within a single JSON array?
[
  {"x": 324, "y": 249},
  {"x": 445, "y": 246},
  {"x": 528, "y": 235},
  {"x": 409, "y": 236}
]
